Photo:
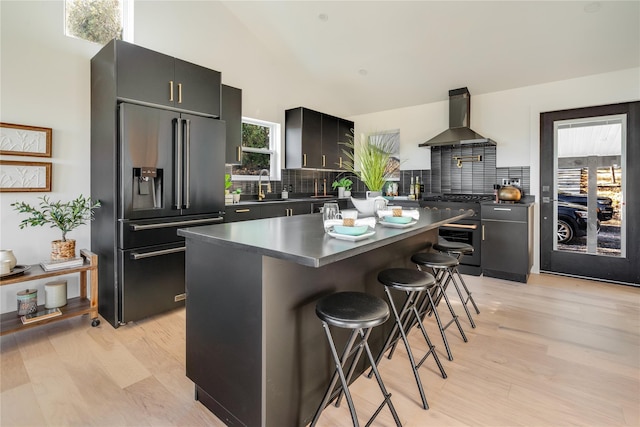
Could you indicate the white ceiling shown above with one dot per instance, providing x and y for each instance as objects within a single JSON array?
[{"x": 413, "y": 52}]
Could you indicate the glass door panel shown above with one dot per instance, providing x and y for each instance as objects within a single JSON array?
[{"x": 589, "y": 182}]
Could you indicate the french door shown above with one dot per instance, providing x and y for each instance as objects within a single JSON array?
[{"x": 590, "y": 192}]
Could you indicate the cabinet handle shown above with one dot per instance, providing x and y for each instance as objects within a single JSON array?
[
  {"x": 239, "y": 154},
  {"x": 137, "y": 255},
  {"x": 242, "y": 210},
  {"x": 324, "y": 161},
  {"x": 179, "y": 93},
  {"x": 171, "y": 90},
  {"x": 340, "y": 162},
  {"x": 304, "y": 160},
  {"x": 482, "y": 232}
]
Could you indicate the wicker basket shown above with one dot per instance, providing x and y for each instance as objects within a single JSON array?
[{"x": 61, "y": 249}]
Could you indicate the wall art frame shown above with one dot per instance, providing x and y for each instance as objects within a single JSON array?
[
  {"x": 21, "y": 177},
  {"x": 22, "y": 140}
]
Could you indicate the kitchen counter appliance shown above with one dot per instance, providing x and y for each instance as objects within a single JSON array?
[{"x": 467, "y": 230}]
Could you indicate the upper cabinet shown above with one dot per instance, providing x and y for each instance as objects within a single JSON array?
[
  {"x": 152, "y": 77},
  {"x": 312, "y": 139},
  {"x": 231, "y": 113}
]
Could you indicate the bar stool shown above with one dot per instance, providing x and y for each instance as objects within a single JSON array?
[
  {"x": 457, "y": 249},
  {"x": 413, "y": 283},
  {"x": 441, "y": 265},
  {"x": 359, "y": 312}
]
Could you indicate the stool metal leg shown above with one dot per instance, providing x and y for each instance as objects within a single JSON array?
[
  {"x": 429, "y": 301},
  {"x": 469, "y": 298},
  {"x": 339, "y": 373},
  {"x": 452, "y": 272}
]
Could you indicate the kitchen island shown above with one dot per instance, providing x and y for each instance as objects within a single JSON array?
[{"x": 256, "y": 350}]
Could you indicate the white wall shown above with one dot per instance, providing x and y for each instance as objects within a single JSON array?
[
  {"x": 45, "y": 81},
  {"x": 511, "y": 118}
]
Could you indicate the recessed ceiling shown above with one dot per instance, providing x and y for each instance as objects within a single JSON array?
[{"x": 380, "y": 55}]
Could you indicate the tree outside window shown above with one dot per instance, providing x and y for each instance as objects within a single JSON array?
[
  {"x": 98, "y": 21},
  {"x": 259, "y": 142}
]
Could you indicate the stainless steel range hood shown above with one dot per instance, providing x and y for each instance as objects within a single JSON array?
[{"x": 459, "y": 131}]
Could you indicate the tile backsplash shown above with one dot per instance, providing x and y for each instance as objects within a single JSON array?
[{"x": 473, "y": 177}]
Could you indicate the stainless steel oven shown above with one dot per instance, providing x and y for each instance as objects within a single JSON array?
[{"x": 467, "y": 230}]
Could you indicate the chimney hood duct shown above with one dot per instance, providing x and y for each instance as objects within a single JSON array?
[{"x": 459, "y": 131}]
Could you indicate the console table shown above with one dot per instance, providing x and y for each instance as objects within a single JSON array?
[{"x": 10, "y": 322}]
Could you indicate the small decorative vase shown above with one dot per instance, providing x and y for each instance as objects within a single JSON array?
[
  {"x": 61, "y": 249},
  {"x": 7, "y": 255},
  {"x": 341, "y": 192},
  {"x": 347, "y": 193},
  {"x": 236, "y": 198}
]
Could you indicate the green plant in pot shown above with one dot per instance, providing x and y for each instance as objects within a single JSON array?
[
  {"x": 372, "y": 162},
  {"x": 236, "y": 195},
  {"x": 65, "y": 216},
  {"x": 344, "y": 187},
  {"x": 228, "y": 197}
]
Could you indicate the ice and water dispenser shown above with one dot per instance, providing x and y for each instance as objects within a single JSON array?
[{"x": 147, "y": 188}]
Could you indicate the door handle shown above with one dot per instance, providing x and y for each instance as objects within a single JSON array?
[
  {"x": 178, "y": 164},
  {"x": 143, "y": 255},
  {"x": 142, "y": 227},
  {"x": 187, "y": 164}
]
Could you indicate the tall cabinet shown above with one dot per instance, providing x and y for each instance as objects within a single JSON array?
[
  {"x": 231, "y": 113},
  {"x": 313, "y": 139},
  {"x": 157, "y": 151}
]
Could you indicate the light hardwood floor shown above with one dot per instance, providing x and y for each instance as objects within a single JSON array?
[{"x": 556, "y": 351}]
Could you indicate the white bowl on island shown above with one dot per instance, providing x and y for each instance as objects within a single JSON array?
[{"x": 365, "y": 206}]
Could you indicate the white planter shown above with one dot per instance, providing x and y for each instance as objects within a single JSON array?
[
  {"x": 365, "y": 206},
  {"x": 341, "y": 192},
  {"x": 347, "y": 193}
]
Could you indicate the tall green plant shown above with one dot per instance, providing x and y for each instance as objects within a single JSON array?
[
  {"x": 65, "y": 216},
  {"x": 369, "y": 160}
]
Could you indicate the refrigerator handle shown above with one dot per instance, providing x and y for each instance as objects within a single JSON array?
[
  {"x": 177, "y": 123},
  {"x": 187, "y": 160}
]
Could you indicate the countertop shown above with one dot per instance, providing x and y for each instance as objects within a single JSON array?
[
  {"x": 525, "y": 201},
  {"x": 301, "y": 238}
]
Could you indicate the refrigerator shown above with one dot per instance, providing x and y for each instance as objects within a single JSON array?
[{"x": 169, "y": 174}]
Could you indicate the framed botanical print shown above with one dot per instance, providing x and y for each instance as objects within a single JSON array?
[
  {"x": 20, "y": 140},
  {"x": 25, "y": 176}
]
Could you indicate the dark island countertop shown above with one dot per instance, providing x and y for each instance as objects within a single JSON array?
[{"x": 301, "y": 239}]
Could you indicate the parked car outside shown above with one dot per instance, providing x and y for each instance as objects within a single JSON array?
[
  {"x": 572, "y": 221},
  {"x": 604, "y": 206}
]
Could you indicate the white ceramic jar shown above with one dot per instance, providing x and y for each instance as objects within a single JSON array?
[{"x": 7, "y": 254}]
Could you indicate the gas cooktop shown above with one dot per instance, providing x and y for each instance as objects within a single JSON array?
[{"x": 457, "y": 197}]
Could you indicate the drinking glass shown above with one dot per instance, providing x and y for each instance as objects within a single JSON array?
[{"x": 329, "y": 211}]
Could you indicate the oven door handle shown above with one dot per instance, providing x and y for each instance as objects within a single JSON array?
[{"x": 465, "y": 226}]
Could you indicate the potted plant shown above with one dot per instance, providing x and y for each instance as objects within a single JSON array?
[
  {"x": 372, "y": 162},
  {"x": 236, "y": 195},
  {"x": 228, "y": 197},
  {"x": 64, "y": 216},
  {"x": 344, "y": 186}
]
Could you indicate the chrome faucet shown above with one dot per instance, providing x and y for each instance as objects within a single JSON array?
[{"x": 261, "y": 194}]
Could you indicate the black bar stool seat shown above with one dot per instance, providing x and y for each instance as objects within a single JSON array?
[
  {"x": 414, "y": 283},
  {"x": 442, "y": 266},
  {"x": 359, "y": 312},
  {"x": 448, "y": 246}
]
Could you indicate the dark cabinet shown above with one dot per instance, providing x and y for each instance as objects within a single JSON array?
[
  {"x": 236, "y": 213},
  {"x": 311, "y": 139},
  {"x": 231, "y": 113},
  {"x": 507, "y": 241},
  {"x": 273, "y": 210},
  {"x": 151, "y": 77}
]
